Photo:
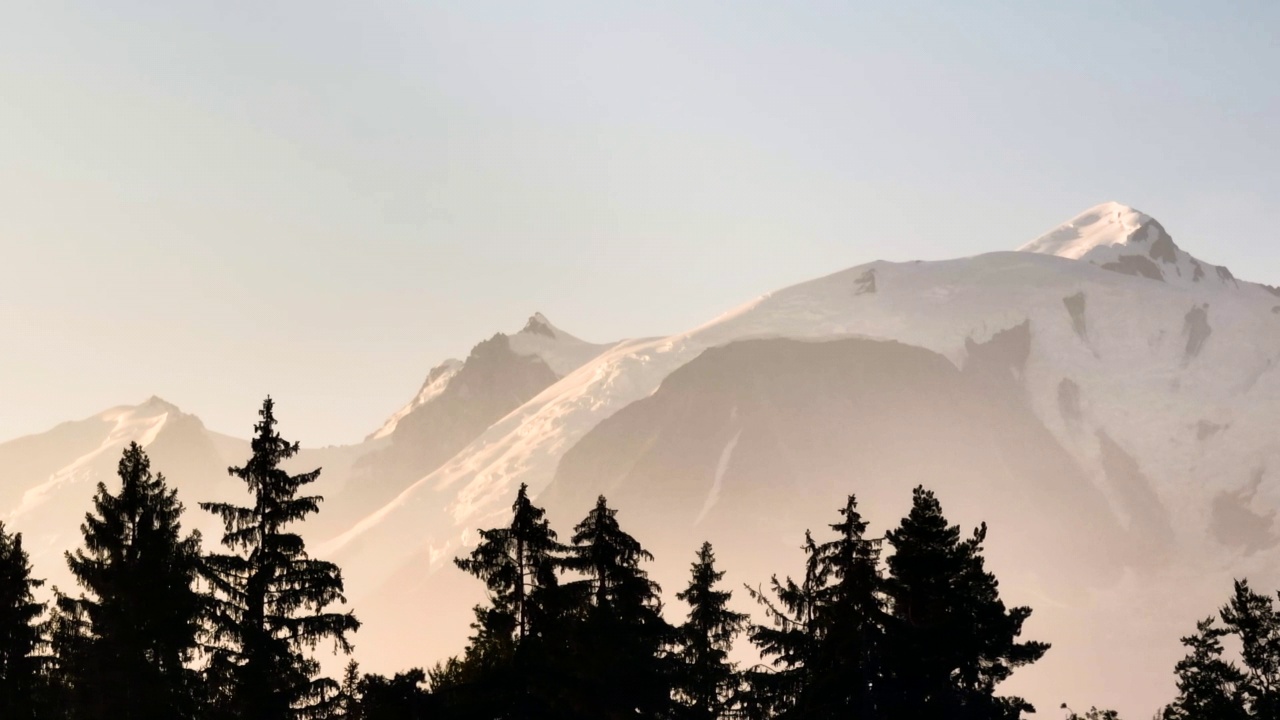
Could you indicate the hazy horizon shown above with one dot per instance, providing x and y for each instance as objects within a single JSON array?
[{"x": 323, "y": 201}]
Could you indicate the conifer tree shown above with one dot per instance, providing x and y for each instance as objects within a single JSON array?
[
  {"x": 791, "y": 641},
  {"x": 1253, "y": 619},
  {"x": 502, "y": 666},
  {"x": 706, "y": 681},
  {"x": 347, "y": 704},
  {"x": 124, "y": 644},
  {"x": 826, "y": 638},
  {"x": 518, "y": 566},
  {"x": 20, "y": 631},
  {"x": 845, "y": 678},
  {"x": 1208, "y": 685},
  {"x": 951, "y": 638},
  {"x": 270, "y": 596},
  {"x": 1211, "y": 687},
  {"x": 401, "y": 697},
  {"x": 617, "y": 666}
]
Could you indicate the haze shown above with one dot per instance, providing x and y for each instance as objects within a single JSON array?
[{"x": 323, "y": 200}]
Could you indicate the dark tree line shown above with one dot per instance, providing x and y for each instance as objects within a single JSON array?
[
  {"x": 905, "y": 626},
  {"x": 576, "y": 631}
]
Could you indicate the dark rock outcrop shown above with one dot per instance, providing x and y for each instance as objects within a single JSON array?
[
  {"x": 1206, "y": 430},
  {"x": 1001, "y": 358},
  {"x": 1135, "y": 265},
  {"x": 1148, "y": 518},
  {"x": 1195, "y": 327},
  {"x": 1162, "y": 247},
  {"x": 1075, "y": 305},
  {"x": 538, "y": 326},
  {"x": 866, "y": 283}
]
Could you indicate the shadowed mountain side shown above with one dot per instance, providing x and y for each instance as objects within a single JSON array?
[
  {"x": 754, "y": 441},
  {"x": 494, "y": 381}
]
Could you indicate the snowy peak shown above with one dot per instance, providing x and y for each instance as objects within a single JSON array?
[
  {"x": 1122, "y": 239},
  {"x": 139, "y": 423},
  {"x": 562, "y": 352},
  {"x": 538, "y": 324},
  {"x": 538, "y": 340},
  {"x": 1104, "y": 225}
]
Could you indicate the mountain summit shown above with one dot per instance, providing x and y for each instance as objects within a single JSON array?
[{"x": 1120, "y": 238}]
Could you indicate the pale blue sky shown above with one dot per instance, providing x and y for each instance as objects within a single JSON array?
[{"x": 213, "y": 201}]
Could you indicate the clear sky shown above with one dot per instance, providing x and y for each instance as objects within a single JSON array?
[{"x": 321, "y": 200}]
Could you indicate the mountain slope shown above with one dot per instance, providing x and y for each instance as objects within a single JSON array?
[
  {"x": 1160, "y": 390},
  {"x": 459, "y": 401}
]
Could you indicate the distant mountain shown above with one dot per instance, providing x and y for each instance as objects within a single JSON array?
[
  {"x": 1105, "y": 400},
  {"x": 1067, "y": 393},
  {"x": 47, "y": 480},
  {"x": 459, "y": 401}
]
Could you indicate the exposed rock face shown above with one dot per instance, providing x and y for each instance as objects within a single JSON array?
[
  {"x": 539, "y": 326},
  {"x": 1003, "y": 357},
  {"x": 1162, "y": 247},
  {"x": 492, "y": 382},
  {"x": 1148, "y": 519},
  {"x": 1196, "y": 329},
  {"x": 1206, "y": 430},
  {"x": 1075, "y": 305},
  {"x": 865, "y": 283},
  {"x": 1135, "y": 265},
  {"x": 1234, "y": 523}
]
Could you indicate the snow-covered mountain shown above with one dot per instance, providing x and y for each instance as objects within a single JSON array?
[
  {"x": 1117, "y": 237},
  {"x": 1139, "y": 405},
  {"x": 1105, "y": 400},
  {"x": 458, "y": 401},
  {"x": 47, "y": 480}
]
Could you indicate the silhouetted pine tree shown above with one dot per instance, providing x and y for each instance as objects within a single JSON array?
[
  {"x": 1253, "y": 619},
  {"x": 20, "y": 632},
  {"x": 951, "y": 639},
  {"x": 270, "y": 597},
  {"x": 613, "y": 655},
  {"x": 401, "y": 697},
  {"x": 1208, "y": 686},
  {"x": 517, "y": 564},
  {"x": 845, "y": 677},
  {"x": 826, "y": 641},
  {"x": 792, "y": 640},
  {"x": 706, "y": 682},
  {"x": 347, "y": 703},
  {"x": 123, "y": 646},
  {"x": 503, "y": 664}
]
